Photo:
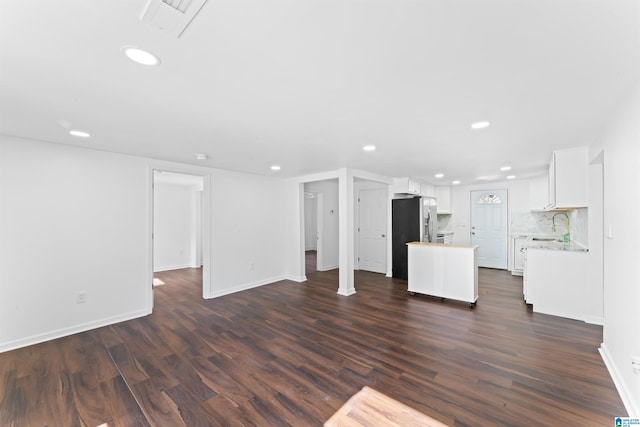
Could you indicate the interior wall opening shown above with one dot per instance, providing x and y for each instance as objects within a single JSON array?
[
  {"x": 321, "y": 233},
  {"x": 178, "y": 223}
]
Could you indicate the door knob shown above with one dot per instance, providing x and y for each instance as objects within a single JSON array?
[{"x": 383, "y": 235}]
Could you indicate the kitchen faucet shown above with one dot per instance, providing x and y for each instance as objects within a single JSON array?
[{"x": 553, "y": 220}]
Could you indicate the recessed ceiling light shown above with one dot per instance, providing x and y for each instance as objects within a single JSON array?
[
  {"x": 456, "y": 182},
  {"x": 511, "y": 177},
  {"x": 505, "y": 168},
  {"x": 439, "y": 175},
  {"x": 275, "y": 168},
  {"x": 369, "y": 148},
  {"x": 201, "y": 157},
  {"x": 80, "y": 133},
  {"x": 140, "y": 56},
  {"x": 479, "y": 125}
]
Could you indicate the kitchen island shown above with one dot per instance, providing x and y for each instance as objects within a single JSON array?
[{"x": 446, "y": 271}]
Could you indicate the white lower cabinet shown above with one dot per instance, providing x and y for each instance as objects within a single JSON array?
[
  {"x": 555, "y": 282},
  {"x": 518, "y": 255}
]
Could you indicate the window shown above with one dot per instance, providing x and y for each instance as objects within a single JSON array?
[{"x": 489, "y": 199}]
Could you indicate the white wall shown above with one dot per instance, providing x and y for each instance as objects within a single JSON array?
[
  {"x": 71, "y": 220},
  {"x": 74, "y": 219},
  {"x": 173, "y": 223},
  {"x": 621, "y": 339},
  {"x": 595, "y": 273},
  {"x": 247, "y": 231},
  {"x": 294, "y": 231},
  {"x": 329, "y": 218}
]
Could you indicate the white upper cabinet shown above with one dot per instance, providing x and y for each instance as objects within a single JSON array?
[
  {"x": 406, "y": 186},
  {"x": 539, "y": 192},
  {"x": 428, "y": 190},
  {"x": 568, "y": 175},
  {"x": 443, "y": 196}
]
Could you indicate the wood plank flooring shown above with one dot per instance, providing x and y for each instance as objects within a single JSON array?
[{"x": 293, "y": 354}]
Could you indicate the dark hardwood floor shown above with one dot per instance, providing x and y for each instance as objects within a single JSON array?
[{"x": 292, "y": 354}]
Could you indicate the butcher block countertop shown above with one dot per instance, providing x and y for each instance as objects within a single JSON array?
[{"x": 443, "y": 244}]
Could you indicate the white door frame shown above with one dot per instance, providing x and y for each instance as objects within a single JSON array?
[
  {"x": 206, "y": 227},
  {"x": 319, "y": 232}
]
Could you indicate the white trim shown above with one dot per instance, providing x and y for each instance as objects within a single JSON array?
[
  {"x": 83, "y": 327},
  {"x": 368, "y": 176},
  {"x": 328, "y": 267},
  {"x": 595, "y": 320},
  {"x": 347, "y": 293},
  {"x": 247, "y": 286},
  {"x": 149, "y": 267},
  {"x": 319, "y": 233},
  {"x": 207, "y": 262},
  {"x": 296, "y": 279},
  {"x": 627, "y": 398}
]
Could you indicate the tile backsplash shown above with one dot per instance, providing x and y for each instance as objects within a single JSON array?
[
  {"x": 444, "y": 223},
  {"x": 542, "y": 223}
]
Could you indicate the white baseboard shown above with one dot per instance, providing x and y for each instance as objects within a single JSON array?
[
  {"x": 48, "y": 336},
  {"x": 244, "y": 287},
  {"x": 328, "y": 267},
  {"x": 298, "y": 279},
  {"x": 348, "y": 292},
  {"x": 595, "y": 320},
  {"x": 629, "y": 403}
]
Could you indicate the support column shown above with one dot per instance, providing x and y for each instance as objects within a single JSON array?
[{"x": 346, "y": 223}]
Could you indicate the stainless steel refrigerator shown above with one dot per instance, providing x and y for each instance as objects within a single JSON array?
[{"x": 412, "y": 220}]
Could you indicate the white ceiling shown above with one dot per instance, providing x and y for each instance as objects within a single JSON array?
[{"x": 306, "y": 83}]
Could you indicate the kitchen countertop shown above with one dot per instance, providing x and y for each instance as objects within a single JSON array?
[
  {"x": 554, "y": 245},
  {"x": 443, "y": 245}
]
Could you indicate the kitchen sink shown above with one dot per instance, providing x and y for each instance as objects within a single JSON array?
[{"x": 545, "y": 239}]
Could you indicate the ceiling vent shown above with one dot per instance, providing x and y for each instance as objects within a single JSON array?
[{"x": 171, "y": 16}]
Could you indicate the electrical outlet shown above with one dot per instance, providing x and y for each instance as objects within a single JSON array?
[{"x": 81, "y": 297}]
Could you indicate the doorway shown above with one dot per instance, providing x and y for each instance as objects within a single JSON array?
[
  {"x": 489, "y": 227},
  {"x": 313, "y": 231},
  {"x": 323, "y": 210},
  {"x": 178, "y": 224}
]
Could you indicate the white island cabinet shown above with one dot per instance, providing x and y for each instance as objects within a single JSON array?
[{"x": 446, "y": 271}]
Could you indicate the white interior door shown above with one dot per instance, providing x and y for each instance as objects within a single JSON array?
[
  {"x": 489, "y": 227},
  {"x": 372, "y": 230}
]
